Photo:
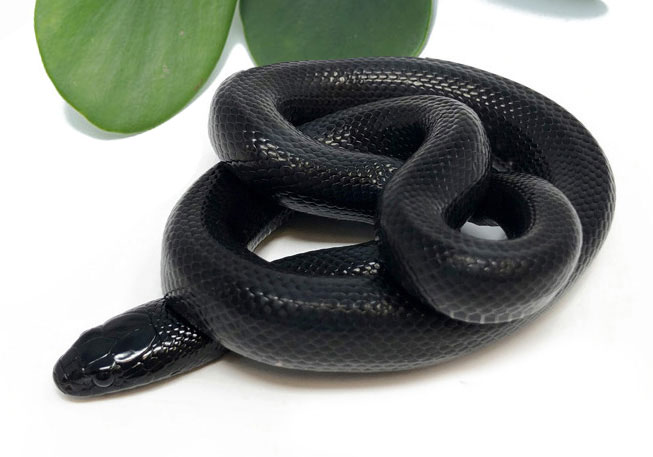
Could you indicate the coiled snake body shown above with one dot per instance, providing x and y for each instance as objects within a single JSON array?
[{"x": 416, "y": 147}]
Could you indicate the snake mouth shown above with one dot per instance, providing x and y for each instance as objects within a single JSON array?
[
  {"x": 61, "y": 379},
  {"x": 69, "y": 376}
]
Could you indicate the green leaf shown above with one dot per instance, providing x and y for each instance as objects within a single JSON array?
[
  {"x": 129, "y": 65},
  {"x": 285, "y": 30}
]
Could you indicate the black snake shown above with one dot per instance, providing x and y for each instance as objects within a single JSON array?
[{"x": 416, "y": 147}]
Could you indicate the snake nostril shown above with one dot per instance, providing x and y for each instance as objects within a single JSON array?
[{"x": 60, "y": 378}]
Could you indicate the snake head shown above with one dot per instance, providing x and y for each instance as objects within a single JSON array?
[{"x": 106, "y": 357}]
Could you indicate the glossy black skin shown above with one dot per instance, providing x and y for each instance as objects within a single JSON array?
[
  {"x": 414, "y": 146},
  {"x": 145, "y": 344}
]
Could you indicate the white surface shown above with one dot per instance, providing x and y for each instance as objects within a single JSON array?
[{"x": 82, "y": 220}]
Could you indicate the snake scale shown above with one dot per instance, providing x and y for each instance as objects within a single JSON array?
[{"x": 416, "y": 147}]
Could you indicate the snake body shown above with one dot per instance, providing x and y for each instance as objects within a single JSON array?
[{"x": 416, "y": 147}]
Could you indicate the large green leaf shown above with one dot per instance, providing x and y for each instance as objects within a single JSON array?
[
  {"x": 129, "y": 65},
  {"x": 284, "y": 30}
]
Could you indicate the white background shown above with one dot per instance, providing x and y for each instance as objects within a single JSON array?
[{"x": 82, "y": 219}]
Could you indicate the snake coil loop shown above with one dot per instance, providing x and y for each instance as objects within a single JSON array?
[{"x": 417, "y": 147}]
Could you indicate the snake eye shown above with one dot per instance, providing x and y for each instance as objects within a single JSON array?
[{"x": 103, "y": 378}]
